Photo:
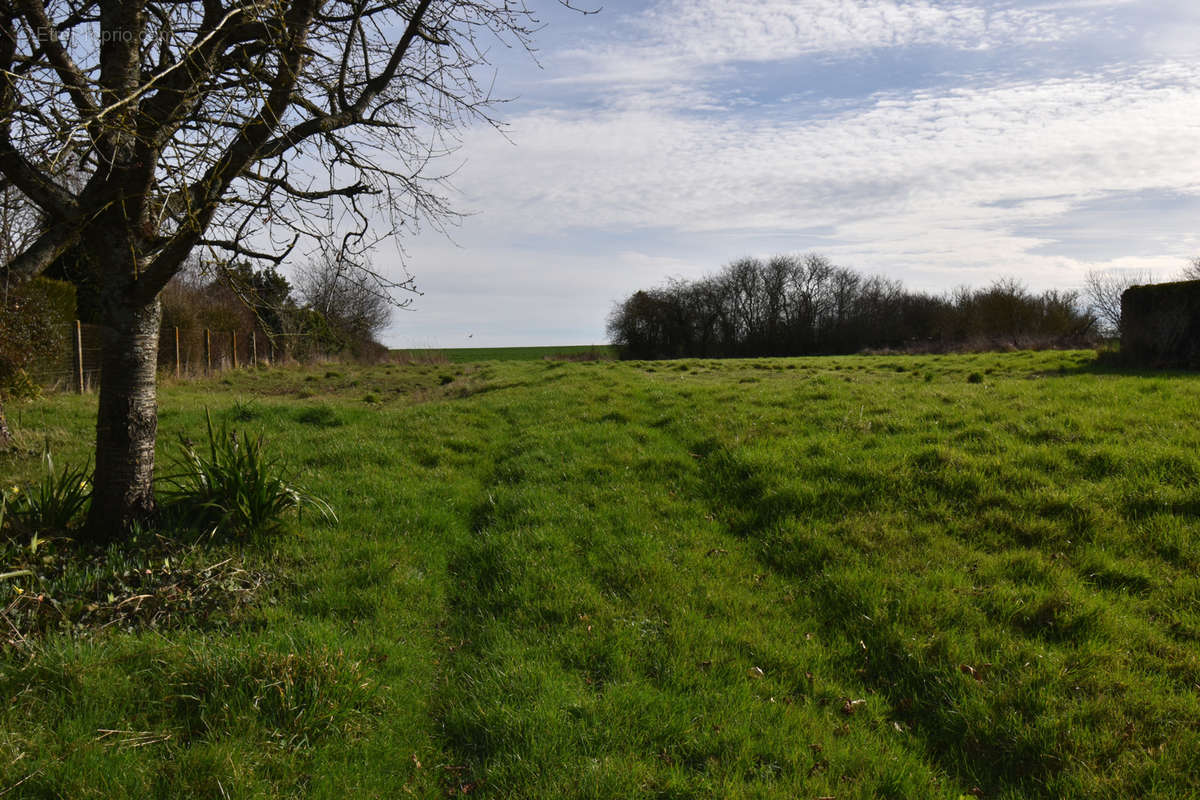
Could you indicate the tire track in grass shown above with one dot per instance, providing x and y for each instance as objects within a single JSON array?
[
  {"x": 905, "y": 637},
  {"x": 605, "y": 640}
]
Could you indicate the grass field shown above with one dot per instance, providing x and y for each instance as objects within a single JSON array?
[
  {"x": 859, "y": 577},
  {"x": 475, "y": 355}
]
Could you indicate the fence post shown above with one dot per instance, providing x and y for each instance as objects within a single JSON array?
[
  {"x": 233, "y": 347},
  {"x": 207, "y": 352},
  {"x": 79, "y": 354},
  {"x": 254, "y": 349},
  {"x": 177, "y": 368}
]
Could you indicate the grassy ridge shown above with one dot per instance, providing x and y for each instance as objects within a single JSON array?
[{"x": 845, "y": 577}]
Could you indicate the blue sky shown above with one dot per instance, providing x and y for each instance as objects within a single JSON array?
[{"x": 941, "y": 142}]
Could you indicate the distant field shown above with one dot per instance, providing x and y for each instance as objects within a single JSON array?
[
  {"x": 469, "y": 355},
  {"x": 860, "y": 577}
]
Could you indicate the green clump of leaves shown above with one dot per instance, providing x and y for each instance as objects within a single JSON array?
[
  {"x": 232, "y": 486},
  {"x": 52, "y": 504}
]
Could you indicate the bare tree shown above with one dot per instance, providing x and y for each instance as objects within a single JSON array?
[
  {"x": 331, "y": 285},
  {"x": 1103, "y": 290},
  {"x": 237, "y": 125},
  {"x": 1192, "y": 271}
]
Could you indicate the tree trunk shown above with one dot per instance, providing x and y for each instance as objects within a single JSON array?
[
  {"x": 5, "y": 433},
  {"x": 126, "y": 423}
]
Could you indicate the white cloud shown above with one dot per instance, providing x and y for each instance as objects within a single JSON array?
[
  {"x": 960, "y": 148},
  {"x": 657, "y": 173},
  {"x": 768, "y": 30},
  {"x": 671, "y": 40}
]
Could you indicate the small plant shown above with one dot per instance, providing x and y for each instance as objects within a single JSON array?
[
  {"x": 319, "y": 416},
  {"x": 55, "y": 502},
  {"x": 974, "y": 377},
  {"x": 244, "y": 410},
  {"x": 232, "y": 486}
]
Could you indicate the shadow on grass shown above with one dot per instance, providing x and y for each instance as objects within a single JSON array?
[
  {"x": 1111, "y": 362},
  {"x": 1002, "y": 743}
]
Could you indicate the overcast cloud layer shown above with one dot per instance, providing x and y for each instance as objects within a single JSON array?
[{"x": 941, "y": 143}]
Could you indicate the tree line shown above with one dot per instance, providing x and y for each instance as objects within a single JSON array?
[
  {"x": 323, "y": 312},
  {"x": 806, "y": 305}
]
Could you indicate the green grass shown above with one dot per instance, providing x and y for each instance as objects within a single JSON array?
[
  {"x": 470, "y": 355},
  {"x": 859, "y": 577}
]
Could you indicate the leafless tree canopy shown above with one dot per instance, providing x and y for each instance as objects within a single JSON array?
[
  {"x": 141, "y": 129},
  {"x": 329, "y": 286},
  {"x": 800, "y": 305},
  {"x": 239, "y": 125},
  {"x": 1192, "y": 271},
  {"x": 1103, "y": 290}
]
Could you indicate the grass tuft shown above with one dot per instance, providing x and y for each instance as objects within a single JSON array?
[
  {"x": 51, "y": 505},
  {"x": 232, "y": 487}
]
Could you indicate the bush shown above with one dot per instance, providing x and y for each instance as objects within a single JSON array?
[
  {"x": 34, "y": 327},
  {"x": 232, "y": 487}
]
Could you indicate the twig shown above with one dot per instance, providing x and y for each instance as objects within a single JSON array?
[{"x": 18, "y": 783}]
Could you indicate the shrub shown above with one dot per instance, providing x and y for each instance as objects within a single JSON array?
[
  {"x": 34, "y": 320},
  {"x": 233, "y": 487}
]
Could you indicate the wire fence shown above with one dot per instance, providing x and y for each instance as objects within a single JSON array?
[{"x": 182, "y": 352}]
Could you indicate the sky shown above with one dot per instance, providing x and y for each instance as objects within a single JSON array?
[{"x": 941, "y": 142}]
